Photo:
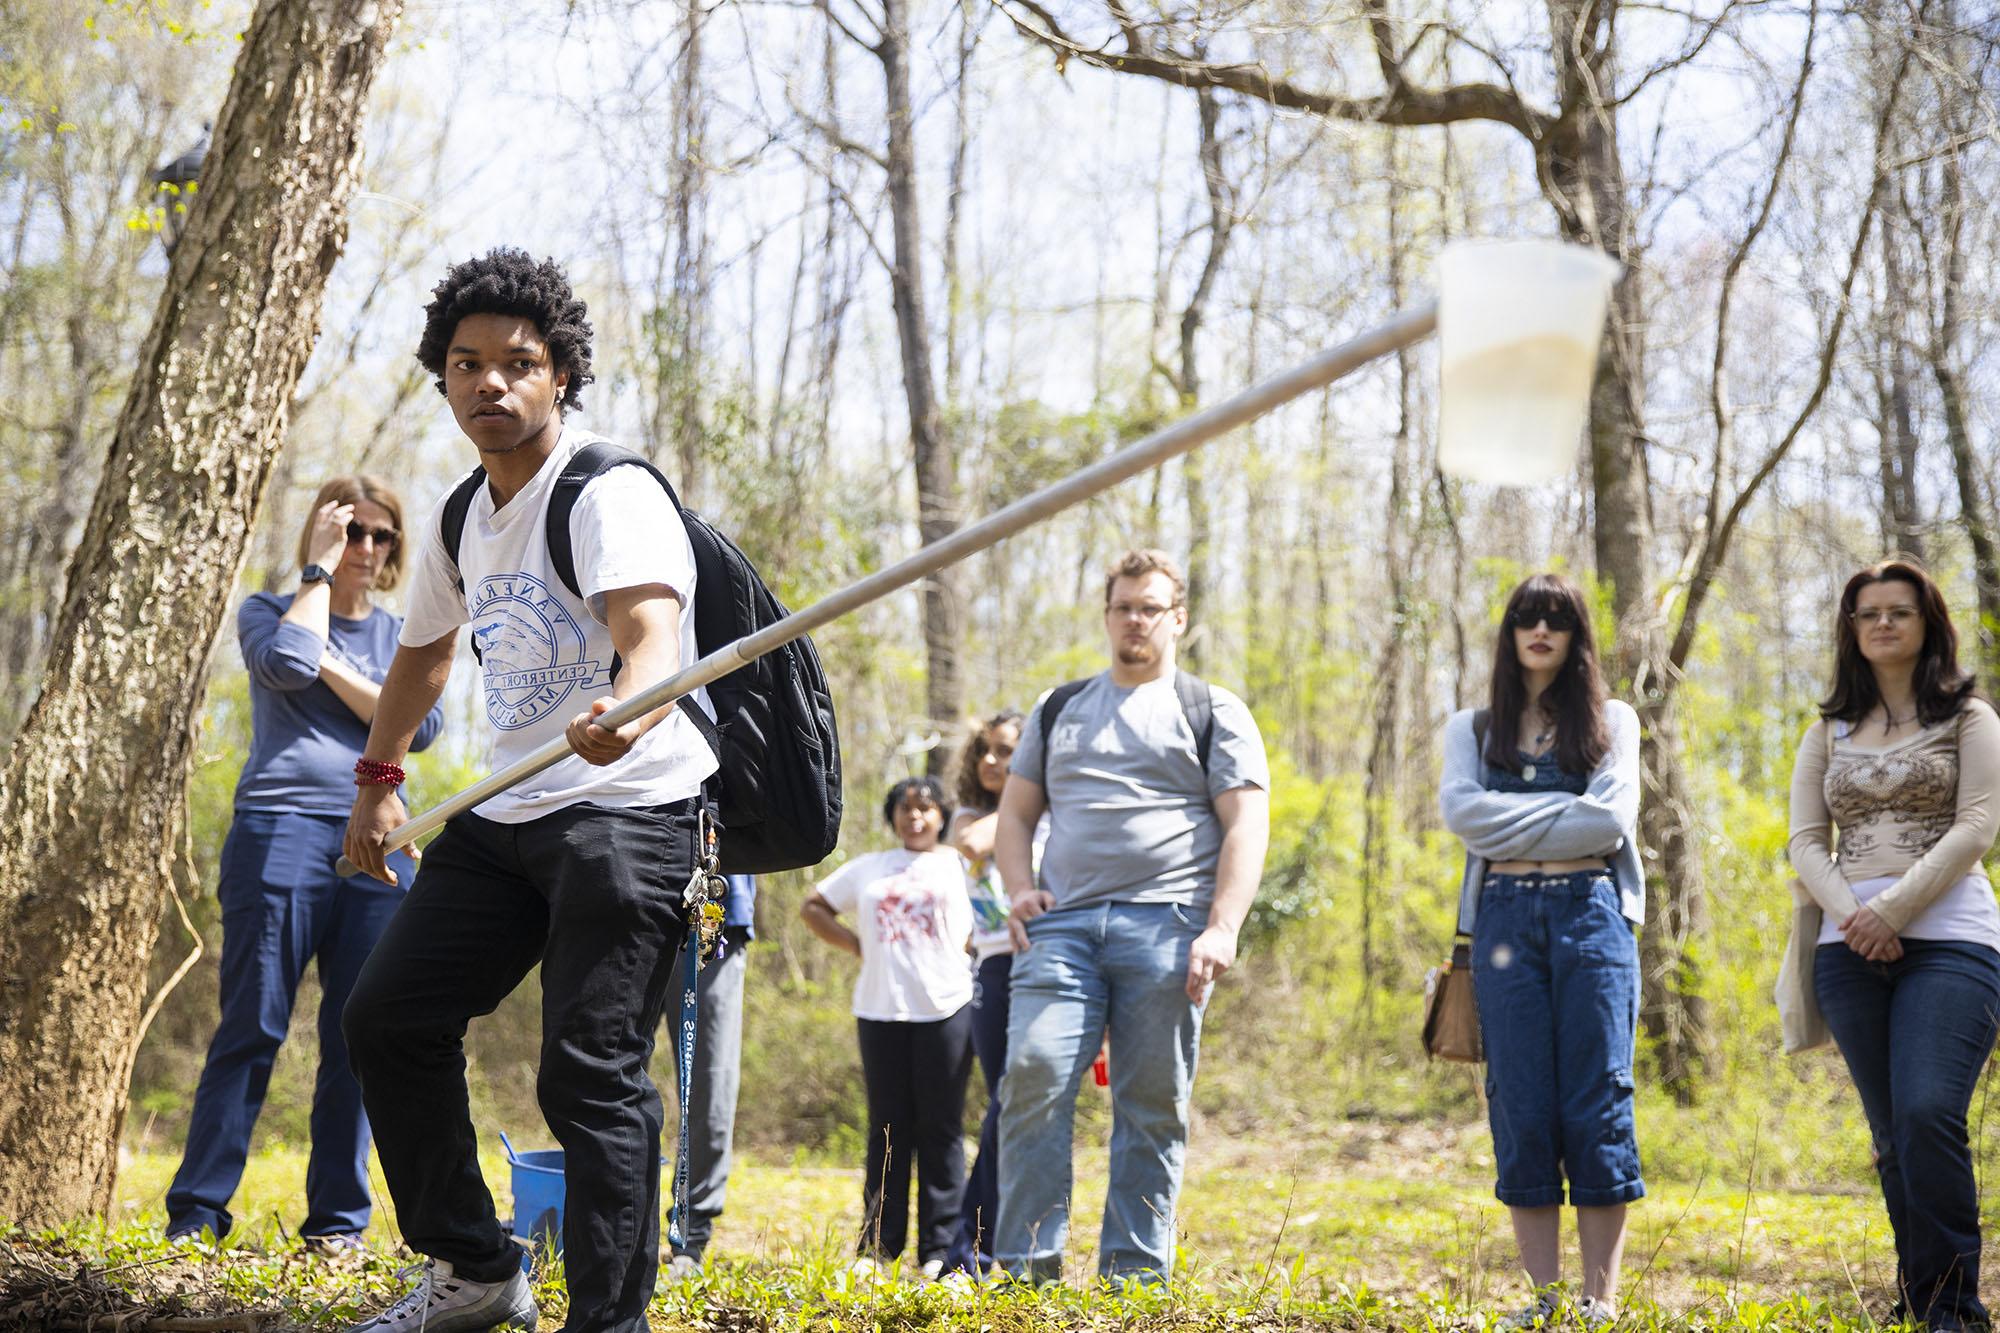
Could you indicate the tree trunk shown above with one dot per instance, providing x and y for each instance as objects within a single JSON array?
[
  {"x": 93, "y": 796},
  {"x": 689, "y": 306},
  {"x": 1584, "y": 180},
  {"x": 1896, "y": 428},
  {"x": 1975, "y": 505},
  {"x": 937, "y": 479},
  {"x": 1194, "y": 478},
  {"x": 1399, "y": 540}
]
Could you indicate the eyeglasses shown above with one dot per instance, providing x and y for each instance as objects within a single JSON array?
[
  {"x": 1146, "y": 613},
  {"x": 1896, "y": 616},
  {"x": 1559, "y": 620},
  {"x": 382, "y": 537}
]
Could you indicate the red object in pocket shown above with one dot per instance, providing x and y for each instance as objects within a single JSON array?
[{"x": 1100, "y": 1071}]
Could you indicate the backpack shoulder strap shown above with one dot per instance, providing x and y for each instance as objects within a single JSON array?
[
  {"x": 451, "y": 524},
  {"x": 593, "y": 460},
  {"x": 1198, "y": 706},
  {"x": 1052, "y": 707}
]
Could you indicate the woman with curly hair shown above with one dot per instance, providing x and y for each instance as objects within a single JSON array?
[
  {"x": 981, "y": 769},
  {"x": 1905, "y": 762}
]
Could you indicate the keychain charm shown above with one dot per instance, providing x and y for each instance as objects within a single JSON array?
[{"x": 702, "y": 898}]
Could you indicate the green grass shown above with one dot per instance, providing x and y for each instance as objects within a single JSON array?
[{"x": 1363, "y": 1227}]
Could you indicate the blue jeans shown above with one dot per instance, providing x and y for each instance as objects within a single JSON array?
[
  {"x": 1121, "y": 966},
  {"x": 1916, "y": 1034},
  {"x": 1556, "y": 972},
  {"x": 972, "y": 1249},
  {"x": 282, "y": 907}
]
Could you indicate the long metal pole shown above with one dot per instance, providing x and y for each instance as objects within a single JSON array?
[{"x": 1169, "y": 442}]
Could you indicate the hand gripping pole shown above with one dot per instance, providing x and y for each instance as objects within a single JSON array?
[{"x": 1169, "y": 442}]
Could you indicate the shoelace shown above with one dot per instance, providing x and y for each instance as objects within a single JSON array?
[{"x": 419, "y": 1297}]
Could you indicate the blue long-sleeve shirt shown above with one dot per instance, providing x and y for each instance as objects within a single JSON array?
[{"x": 303, "y": 739}]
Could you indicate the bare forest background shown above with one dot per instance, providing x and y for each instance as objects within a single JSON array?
[{"x": 862, "y": 269}]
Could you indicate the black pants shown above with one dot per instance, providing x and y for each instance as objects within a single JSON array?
[
  {"x": 916, "y": 1076},
  {"x": 594, "y": 895}
]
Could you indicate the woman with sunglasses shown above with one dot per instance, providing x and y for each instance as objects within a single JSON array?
[
  {"x": 1542, "y": 786},
  {"x": 1905, "y": 761},
  {"x": 316, "y": 658}
]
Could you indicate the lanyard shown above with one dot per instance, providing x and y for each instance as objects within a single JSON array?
[{"x": 701, "y": 903}]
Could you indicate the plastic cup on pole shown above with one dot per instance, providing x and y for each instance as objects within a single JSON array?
[{"x": 1519, "y": 325}]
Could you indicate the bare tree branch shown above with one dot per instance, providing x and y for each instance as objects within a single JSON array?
[
  {"x": 1399, "y": 104},
  {"x": 1715, "y": 542},
  {"x": 1692, "y": 51}
]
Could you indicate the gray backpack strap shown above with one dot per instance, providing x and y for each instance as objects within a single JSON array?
[{"x": 1198, "y": 706}]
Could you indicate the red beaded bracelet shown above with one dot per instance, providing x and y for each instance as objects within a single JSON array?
[{"x": 376, "y": 772}]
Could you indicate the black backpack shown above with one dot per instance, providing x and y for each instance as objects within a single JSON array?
[
  {"x": 1197, "y": 705},
  {"x": 777, "y": 792}
]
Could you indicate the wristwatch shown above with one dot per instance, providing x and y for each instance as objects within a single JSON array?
[{"x": 315, "y": 574}]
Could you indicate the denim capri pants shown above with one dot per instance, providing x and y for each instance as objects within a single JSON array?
[{"x": 1555, "y": 969}]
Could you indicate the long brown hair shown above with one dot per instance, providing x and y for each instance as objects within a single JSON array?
[
  {"x": 350, "y": 490},
  {"x": 1575, "y": 696},
  {"x": 965, "y": 769},
  {"x": 1942, "y": 686}
]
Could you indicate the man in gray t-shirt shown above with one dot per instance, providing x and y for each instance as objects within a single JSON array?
[{"x": 1156, "y": 843}]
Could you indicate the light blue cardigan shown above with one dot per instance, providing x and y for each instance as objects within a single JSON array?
[{"x": 1548, "y": 825}]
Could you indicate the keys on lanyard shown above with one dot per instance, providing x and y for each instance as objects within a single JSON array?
[{"x": 702, "y": 898}]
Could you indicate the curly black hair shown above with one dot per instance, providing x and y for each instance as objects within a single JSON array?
[
  {"x": 918, "y": 791},
  {"x": 508, "y": 281}
]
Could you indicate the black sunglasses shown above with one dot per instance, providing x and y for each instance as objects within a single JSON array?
[
  {"x": 384, "y": 537},
  {"x": 1559, "y": 619}
]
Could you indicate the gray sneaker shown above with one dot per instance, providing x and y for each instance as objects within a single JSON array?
[
  {"x": 1594, "y": 1313},
  {"x": 443, "y": 1302}
]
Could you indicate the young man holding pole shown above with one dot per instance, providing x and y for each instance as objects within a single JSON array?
[
  {"x": 580, "y": 868},
  {"x": 1156, "y": 788}
]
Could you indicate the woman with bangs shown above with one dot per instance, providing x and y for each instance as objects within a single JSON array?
[
  {"x": 316, "y": 658},
  {"x": 1905, "y": 761},
  {"x": 1542, "y": 786}
]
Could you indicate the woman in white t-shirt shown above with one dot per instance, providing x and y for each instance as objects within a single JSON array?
[{"x": 913, "y": 917}]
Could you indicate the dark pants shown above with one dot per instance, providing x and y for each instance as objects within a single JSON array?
[
  {"x": 916, "y": 1075},
  {"x": 283, "y": 907},
  {"x": 1916, "y": 1033},
  {"x": 972, "y": 1247},
  {"x": 594, "y": 895}
]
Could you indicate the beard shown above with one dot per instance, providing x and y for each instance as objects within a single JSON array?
[{"x": 1143, "y": 653}]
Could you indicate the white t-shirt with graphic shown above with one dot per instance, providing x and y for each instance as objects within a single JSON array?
[
  {"x": 990, "y": 904},
  {"x": 913, "y": 913},
  {"x": 545, "y": 654}
]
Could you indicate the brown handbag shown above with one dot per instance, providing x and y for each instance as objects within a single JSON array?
[{"x": 1451, "y": 1015}]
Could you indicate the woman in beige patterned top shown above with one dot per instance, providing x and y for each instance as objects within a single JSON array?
[{"x": 1905, "y": 762}]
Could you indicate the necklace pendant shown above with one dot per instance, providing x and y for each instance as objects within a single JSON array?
[{"x": 1528, "y": 773}]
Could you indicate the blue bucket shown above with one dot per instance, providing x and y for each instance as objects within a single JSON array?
[{"x": 538, "y": 1195}]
